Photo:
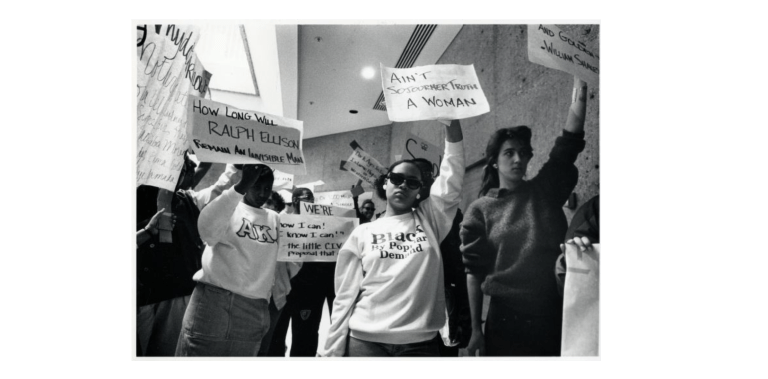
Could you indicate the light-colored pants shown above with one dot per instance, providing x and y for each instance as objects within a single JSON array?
[
  {"x": 158, "y": 326},
  {"x": 220, "y": 323}
]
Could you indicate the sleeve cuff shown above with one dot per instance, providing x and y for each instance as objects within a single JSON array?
[
  {"x": 454, "y": 147},
  {"x": 579, "y": 135}
]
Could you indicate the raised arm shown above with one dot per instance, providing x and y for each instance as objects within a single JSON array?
[
  {"x": 214, "y": 219},
  {"x": 578, "y": 110},
  {"x": 445, "y": 194}
]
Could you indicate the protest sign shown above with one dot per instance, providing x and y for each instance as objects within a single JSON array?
[
  {"x": 551, "y": 47},
  {"x": 326, "y": 210},
  {"x": 416, "y": 147},
  {"x": 310, "y": 238},
  {"x": 436, "y": 92},
  {"x": 364, "y": 166},
  {"x": 336, "y": 198},
  {"x": 283, "y": 181},
  {"x": 224, "y": 134},
  {"x": 167, "y": 71},
  {"x": 581, "y": 302}
]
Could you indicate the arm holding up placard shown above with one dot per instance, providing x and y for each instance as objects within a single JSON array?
[
  {"x": 214, "y": 219},
  {"x": 578, "y": 110}
]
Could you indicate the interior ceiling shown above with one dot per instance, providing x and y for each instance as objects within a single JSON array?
[{"x": 332, "y": 57}]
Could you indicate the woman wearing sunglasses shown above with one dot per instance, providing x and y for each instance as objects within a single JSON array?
[{"x": 390, "y": 299}]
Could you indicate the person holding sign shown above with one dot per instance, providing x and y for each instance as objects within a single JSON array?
[
  {"x": 511, "y": 236},
  {"x": 390, "y": 298},
  {"x": 228, "y": 313}
]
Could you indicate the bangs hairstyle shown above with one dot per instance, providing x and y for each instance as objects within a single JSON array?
[
  {"x": 520, "y": 133},
  {"x": 379, "y": 183}
]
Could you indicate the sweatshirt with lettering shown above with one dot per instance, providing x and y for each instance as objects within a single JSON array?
[
  {"x": 389, "y": 273},
  {"x": 241, "y": 255}
]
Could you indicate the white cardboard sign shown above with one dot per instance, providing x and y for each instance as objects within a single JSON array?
[
  {"x": 435, "y": 92},
  {"x": 551, "y": 47},
  {"x": 225, "y": 134}
]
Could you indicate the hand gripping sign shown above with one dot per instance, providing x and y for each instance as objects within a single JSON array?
[
  {"x": 436, "y": 92},
  {"x": 224, "y": 134}
]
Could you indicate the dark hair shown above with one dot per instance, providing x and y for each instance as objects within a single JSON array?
[
  {"x": 378, "y": 185},
  {"x": 277, "y": 201},
  {"x": 266, "y": 175},
  {"x": 366, "y": 201},
  {"x": 519, "y": 133},
  {"x": 298, "y": 191}
]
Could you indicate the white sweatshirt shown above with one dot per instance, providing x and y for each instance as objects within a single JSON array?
[
  {"x": 389, "y": 273},
  {"x": 241, "y": 255}
]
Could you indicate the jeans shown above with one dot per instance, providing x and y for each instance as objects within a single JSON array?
[
  {"x": 510, "y": 333},
  {"x": 221, "y": 323},
  {"x": 360, "y": 348}
]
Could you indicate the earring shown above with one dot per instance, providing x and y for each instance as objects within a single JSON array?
[
  {"x": 384, "y": 187},
  {"x": 418, "y": 196},
  {"x": 495, "y": 166}
]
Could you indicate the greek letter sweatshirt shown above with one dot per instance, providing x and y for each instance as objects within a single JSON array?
[
  {"x": 241, "y": 255},
  {"x": 389, "y": 273}
]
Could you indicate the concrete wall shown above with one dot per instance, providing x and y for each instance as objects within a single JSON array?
[
  {"x": 323, "y": 156},
  {"x": 519, "y": 93}
]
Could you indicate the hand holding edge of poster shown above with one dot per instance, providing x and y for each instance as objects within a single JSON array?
[
  {"x": 551, "y": 47},
  {"x": 225, "y": 134},
  {"x": 434, "y": 92},
  {"x": 312, "y": 238}
]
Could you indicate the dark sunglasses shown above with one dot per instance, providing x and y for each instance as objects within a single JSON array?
[{"x": 398, "y": 179}]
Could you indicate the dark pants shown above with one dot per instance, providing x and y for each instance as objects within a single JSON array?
[
  {"x": 304, "y": 308},
  {"x": 510, "y": 333},
  {"x": 360, "y": 348},
  {"x": 274, "y": 316}
]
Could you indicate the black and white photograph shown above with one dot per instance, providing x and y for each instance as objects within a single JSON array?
[{"x": 367, "y": 190}]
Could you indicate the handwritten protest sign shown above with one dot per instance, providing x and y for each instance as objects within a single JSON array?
[
  {"x": 336, "y": 198},
  {"x": 364, "y": 166},
  {"x": 551, "y": 47},
  {"x": 167, "y": 71},
  {"x": 416, "y": 147},
  {"x": 283, "y": 181},
  {"x": 436, "y": 92},
  {"x": 581, "y": 302},
  {"x": 326, "y": 210},
  {"x": 224, "y": 134},
  {"x": 310, "y": 238}
]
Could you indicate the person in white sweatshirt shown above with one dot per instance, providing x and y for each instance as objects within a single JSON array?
[
  {"x": 390, "y": 298},
  {"x": 228, "y": 313}
]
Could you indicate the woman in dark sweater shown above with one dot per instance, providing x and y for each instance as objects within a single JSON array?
[{"x": 510, "y": 240}]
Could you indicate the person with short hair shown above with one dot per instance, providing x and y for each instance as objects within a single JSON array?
[{"x": 228, "y": 312}]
